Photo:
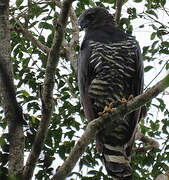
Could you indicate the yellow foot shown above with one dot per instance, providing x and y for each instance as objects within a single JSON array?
[
  {"x": 124, "y": 100},
  {"x": 106, "y": 109}
]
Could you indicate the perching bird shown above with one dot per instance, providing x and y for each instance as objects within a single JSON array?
[{"x": 110, "y": 69}]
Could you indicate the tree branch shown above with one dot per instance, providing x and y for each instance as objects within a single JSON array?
[
  {"x": 97, "y": 124},
  {"x": 119, "y": 4},
  {"x": 47, "y": 94},
  {"x": 152, "y": 143},
  {"x": 75, "y": 39},
  {"x": 31, "y": 38},
  {"x": 70, "y": 47},
  {"x": 163, "y": 176}
]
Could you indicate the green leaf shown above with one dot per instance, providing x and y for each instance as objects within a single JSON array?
[
  {"x": 164, "y": 51},
  {"x": 153, "y": 35},
  {"x": 154, "y": 126},
  {"x": 148, "y": 68},
  {"x": 165, "y": 43},
  {"x": 145, "y": 49},
  {"x": 163, "y": 2},
  {"x": 45, "y": 25},
  {"x": 152, "y": 13},
  {"x": 2, "y": 141},
  {"x": 137, "y": 1},
  {"x": 19, "y": 2},
  {"x": 167, "y": 66},
  {"x": 91, "y": 3}
]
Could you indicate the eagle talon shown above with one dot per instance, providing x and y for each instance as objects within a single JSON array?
[
  {"x": 124, "y": 100},
  {"x": 106, "y": 109}
]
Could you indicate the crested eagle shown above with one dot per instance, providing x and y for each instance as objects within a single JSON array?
[{"x": 110, "y": 70}]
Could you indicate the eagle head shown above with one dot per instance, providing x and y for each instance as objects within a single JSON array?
[{"x": 95, "y": 17}]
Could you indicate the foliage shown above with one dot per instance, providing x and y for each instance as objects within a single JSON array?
[{"x": 68, "y": 122}]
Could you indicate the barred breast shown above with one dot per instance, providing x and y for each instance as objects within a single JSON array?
[{"x": 113, "y": 69}]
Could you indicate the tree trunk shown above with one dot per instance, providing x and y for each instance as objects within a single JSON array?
[{"x": 10, "y": 106}]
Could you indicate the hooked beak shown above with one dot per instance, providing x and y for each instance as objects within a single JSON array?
[{"x": 83, "y": 23}]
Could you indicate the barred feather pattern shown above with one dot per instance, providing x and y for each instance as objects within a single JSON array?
[{"x": 112, "y": 67}]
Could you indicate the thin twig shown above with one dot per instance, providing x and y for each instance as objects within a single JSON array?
[
  {"x": 155, "y": 20},
  {"x": 156, "y": 75},
  {"x": 152, "y": 143}
]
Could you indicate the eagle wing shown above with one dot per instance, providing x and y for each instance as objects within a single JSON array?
[{"x": 84, "y": 80}]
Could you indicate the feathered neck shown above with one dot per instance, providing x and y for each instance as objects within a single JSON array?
[{"x": 105, "y": 33}]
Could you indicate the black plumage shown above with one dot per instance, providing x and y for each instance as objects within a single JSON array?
[{"x": 110, "y": 68}]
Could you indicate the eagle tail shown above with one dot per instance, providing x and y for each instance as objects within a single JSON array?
[{"x": 116, "y": 162}]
